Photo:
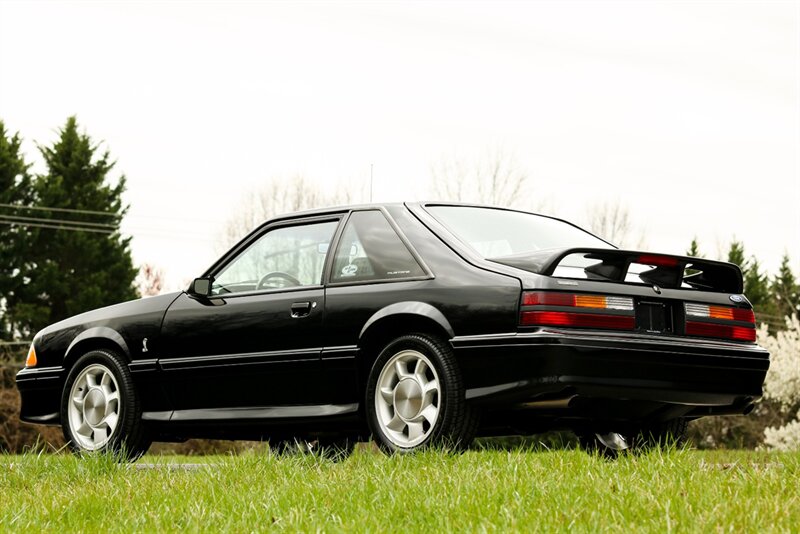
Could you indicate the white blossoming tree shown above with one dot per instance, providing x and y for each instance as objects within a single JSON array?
[{"x": 783, "y": 382}]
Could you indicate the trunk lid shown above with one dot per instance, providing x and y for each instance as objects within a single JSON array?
[{"x": 646, "y": 293}]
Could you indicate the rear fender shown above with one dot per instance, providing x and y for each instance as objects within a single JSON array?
[{"x": 413, "y": 308}]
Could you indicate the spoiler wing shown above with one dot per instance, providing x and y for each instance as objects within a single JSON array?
[{"x": 612, "y": 264}]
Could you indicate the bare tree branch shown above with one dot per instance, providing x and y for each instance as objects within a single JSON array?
[
  {"x": 611, "y": 221},
  {"x": 494, "y": 179},
  {"x": 281, "y": 195}
]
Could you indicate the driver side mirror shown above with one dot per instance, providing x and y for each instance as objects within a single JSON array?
[{"x": 201, "y": 287}]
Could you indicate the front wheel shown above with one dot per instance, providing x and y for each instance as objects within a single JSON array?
[
  {"x": 415, "y": 397},
  {"x": 100, "y": 411}
]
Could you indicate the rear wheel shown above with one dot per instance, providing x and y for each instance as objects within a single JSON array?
[
  {"x": 415, "y": 397},
  {"x": 100, "y": 411}
]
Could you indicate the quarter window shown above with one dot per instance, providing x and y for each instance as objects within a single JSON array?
[
  {"x": 370, "y": 249},
  {"x": 292, "y": 256}
]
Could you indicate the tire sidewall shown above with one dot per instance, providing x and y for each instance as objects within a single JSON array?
[
  {"x": 104, "y": 358},
  {"x": 428, "y": 347}
]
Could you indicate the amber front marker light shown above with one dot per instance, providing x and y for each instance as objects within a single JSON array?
[{"x": 31, "y": 360}]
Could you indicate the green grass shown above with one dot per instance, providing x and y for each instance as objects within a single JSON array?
[{"x": 490, "y": 490}]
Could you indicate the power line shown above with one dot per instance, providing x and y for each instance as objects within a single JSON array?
[
  {"x": 91, "y": 212},
  {"x": 78, "y": 228},
  {"x": 53, "y": 221},
  {"x": 57, "y": 227},
  {"x": 84, "y": 226},
  {"x": 67, "y": 210}
]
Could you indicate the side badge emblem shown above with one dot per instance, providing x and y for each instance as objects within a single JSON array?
[
  {"x": 656, "y": 289},
  {"x": 144, "y": 345}
]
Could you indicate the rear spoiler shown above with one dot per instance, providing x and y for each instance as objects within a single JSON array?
[{"x": 613, "y": 264}]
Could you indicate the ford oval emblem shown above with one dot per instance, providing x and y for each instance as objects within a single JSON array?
[
  {"x": 656, "y": 289},
  {"x": 737, "y": 298}
]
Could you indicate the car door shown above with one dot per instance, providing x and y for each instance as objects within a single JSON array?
[
  {"x": 252, "y": 348},
  {"x": 373, "y": 267}
]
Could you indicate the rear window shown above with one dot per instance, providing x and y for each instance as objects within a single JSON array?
[{"x": 495, "y": 233}]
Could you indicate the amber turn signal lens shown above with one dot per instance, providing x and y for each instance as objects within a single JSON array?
[{"x": 31, "y": 360}]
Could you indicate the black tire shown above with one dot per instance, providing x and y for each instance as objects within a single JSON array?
[
  {"x": 456, "y": 423},
  {"x": 129, "y": 439}
]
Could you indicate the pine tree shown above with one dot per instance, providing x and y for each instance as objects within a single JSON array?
[
  {"x": 756, "y": 285},
  {"x": 76, "y": 270},
  {"x": 785, "y": 290},
  {"x": 15, "y": 194},
  {"x": 694, "y": 249},
  {"x": 736, "y": 255}
]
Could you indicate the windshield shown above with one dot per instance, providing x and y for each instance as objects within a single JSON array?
[{"x": 495, "y": 233}]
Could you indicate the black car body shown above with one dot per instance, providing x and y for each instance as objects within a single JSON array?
[{"x": 574, "y": 334}]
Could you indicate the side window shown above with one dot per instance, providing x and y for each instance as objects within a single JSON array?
[
  {"x": 370, "y": 249},
  {"x": 285, "y": 257}
]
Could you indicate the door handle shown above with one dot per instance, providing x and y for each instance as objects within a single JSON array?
[{"x": 301, "y": 309}]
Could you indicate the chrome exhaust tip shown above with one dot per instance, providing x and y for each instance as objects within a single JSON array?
[{"x": 613, "y": 440}]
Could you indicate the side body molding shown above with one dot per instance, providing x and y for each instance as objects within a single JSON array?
[
  {"x": 101, "y": 332},
  {"x": 420, "y": 309}
]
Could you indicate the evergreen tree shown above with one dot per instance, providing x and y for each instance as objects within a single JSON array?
[
  {"x": 785, "y": 290},
  {"x": 756, "y": 285},
  {"x": 694, "y": 249},
  {"x": 76, "y": 269},
  {"x": 15, "y": 194},
  {"x": 736, "y": 255}
]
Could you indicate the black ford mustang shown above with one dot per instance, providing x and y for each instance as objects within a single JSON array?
[{"x": 416, "y": 324}]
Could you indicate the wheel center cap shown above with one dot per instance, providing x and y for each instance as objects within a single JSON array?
[
  {"x": 407, "y": 398},
  {"x": 94, "y": 407}
]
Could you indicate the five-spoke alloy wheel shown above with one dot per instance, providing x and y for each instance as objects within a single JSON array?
[{"x": 415, "y": 397}]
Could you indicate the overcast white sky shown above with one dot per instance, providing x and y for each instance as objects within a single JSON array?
[{"x": 686, "y": 112}]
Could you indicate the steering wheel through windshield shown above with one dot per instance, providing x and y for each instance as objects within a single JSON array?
[{"x": 287, "y": 279}]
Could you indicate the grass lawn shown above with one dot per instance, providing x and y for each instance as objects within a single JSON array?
[{"x": 489, "y": 490}]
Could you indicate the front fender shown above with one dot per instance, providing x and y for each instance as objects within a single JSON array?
[{"x": 94, "y": 334}]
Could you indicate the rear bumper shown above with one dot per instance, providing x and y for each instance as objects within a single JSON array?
[
  {"x": 708, "y": 376},
  {"x": 40, "y": 393}
]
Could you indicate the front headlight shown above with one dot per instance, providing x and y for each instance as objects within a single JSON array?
[{"x": 30, "y": 361}]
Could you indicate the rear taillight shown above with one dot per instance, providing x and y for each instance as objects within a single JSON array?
[
  {"x": 542, "y": 308},
  {"x": 725, "y": 322}
]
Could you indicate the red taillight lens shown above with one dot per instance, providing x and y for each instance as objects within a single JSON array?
[
  {"x": 577, "y": 300},
  {"x": 590, "y": 311},
  {"x": 585, "y": 320},
  {"x": 739, "y": 333},
  {"x": 705, "y": 320},
  {"x": 704, "y": 311}
]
